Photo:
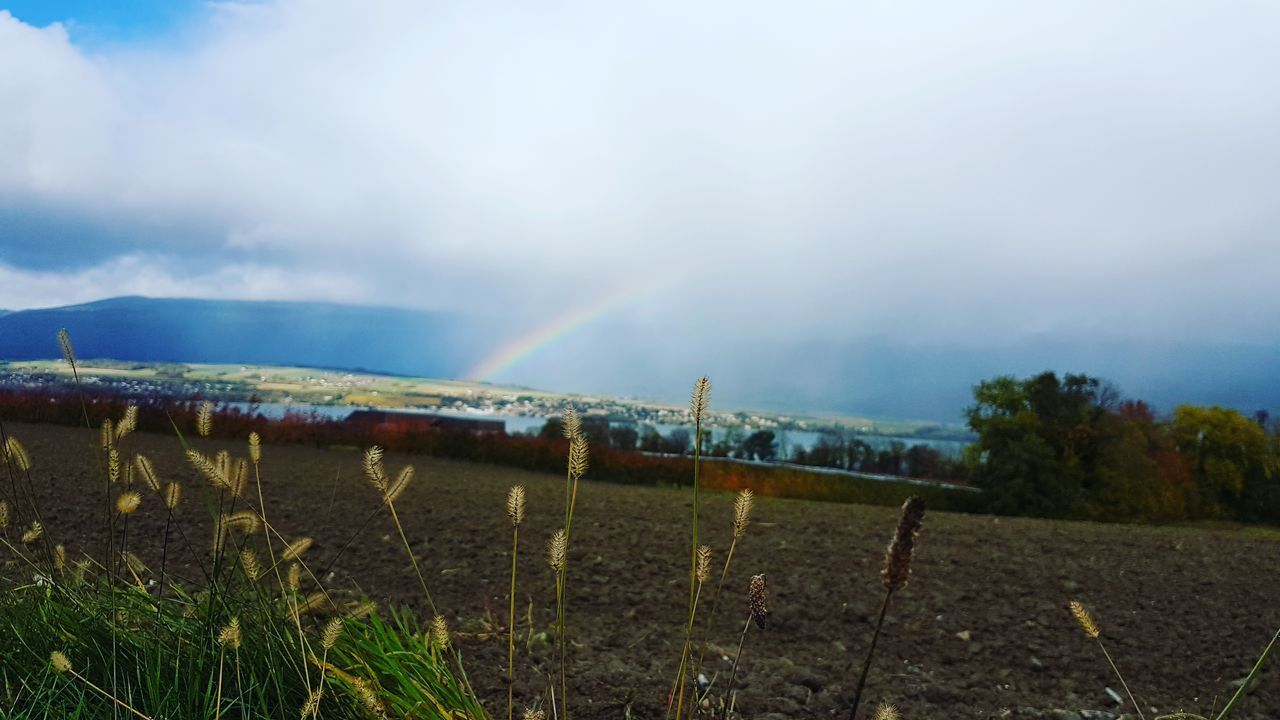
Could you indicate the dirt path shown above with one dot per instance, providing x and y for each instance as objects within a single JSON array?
[{"x": 980, "y": 632}]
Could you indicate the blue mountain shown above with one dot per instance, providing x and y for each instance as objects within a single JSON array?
[{"x": 260, "y": 333}]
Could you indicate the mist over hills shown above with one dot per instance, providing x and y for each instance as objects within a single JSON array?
[{"x": 877, "y": 377}]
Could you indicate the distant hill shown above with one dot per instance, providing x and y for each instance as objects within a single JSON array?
[{"x": 266, "y": 333}]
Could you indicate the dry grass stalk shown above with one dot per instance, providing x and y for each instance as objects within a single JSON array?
[
  {"x": 515, "y": 513},
  {"x": 62, "y": 665},
  {"x": 1090, "y": 628},
  {"x": 699, "y": 398},
  {"x": 896, "y": 573},
  {"x": 757, "y": 614},
  {"x": 515, "y": 505}
]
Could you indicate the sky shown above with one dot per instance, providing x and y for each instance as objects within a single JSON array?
[{"x": 914, "y": 172}]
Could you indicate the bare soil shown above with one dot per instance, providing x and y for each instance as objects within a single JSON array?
[{"x": 981, "y": 631}]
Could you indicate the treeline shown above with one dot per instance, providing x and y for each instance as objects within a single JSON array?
[
  {"x": 1073, "y": 447},
  {"x": 544, "y": 452},
  {"x": 833, "y": 449}
]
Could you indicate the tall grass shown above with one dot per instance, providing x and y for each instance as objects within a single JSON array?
[{"x": 94, "y": 637}]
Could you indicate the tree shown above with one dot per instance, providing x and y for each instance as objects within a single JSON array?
[
  {"x": 1038, "y": 441},
  {"x": 760, "y": 445},
  {"x": 1229, "y": 454},
  {"x": 623, "y": 437},
  {"x": 678, "y": 441},
  {"x": 650, "y": 439}
]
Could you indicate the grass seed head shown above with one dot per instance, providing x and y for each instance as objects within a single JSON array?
[
  {"x": 295, "y": 549},
  {"x": 571, "y": 424},
  {"x": 531, "y": 714},
  {"x": 4, "y": 515},
  {"x": 113, "y": 465},
  {"x": 515, "y": 505},
  {"x": 756, "y": 600},
  {"x": 578, "y": 457},
  {"x": 742, "y": 512},
  {"x": 255, "y": 448},
  {"x": 245, "y": 521},
  {"x": 368, "y": 697},
  {"x": 439, "y": 633},
  {"x": 240, "y": 478},
  {"x": 312, "y": 704},
  {"x": 294, "y": 577},
  {"x": 59, "y": 558},
  {"x": 107, "y": 436},
  {"x": 332, "y": 630},
  {"x": 700, "y": 397},
  {"x": 128, "y": 502},
  {"x": 229, "y": 636},
  {"x": 18, "y": 454},
  {"x": 64, "y": 344},
  {"x": 364, "y": 609},
  {"x": 1084, "y": 619},
  {"x": 897, "y": 560},
  {"x": 147, "y": 472},
  {"x": 886, "y": 712},
  {"x": 204, "y": 419},
  {"x": 59, "y": 662},
  {"x": 373, "y": 468},
  {"x": 249, "y": 564},
  {"x": 210, "y": 469},
  {"x": 128, "y": 422},
  {"x": 557, "y": 549},
  {"x": 396, "y": 487},
  {"x": 172, "y": 495},
  {"x": 33, "y": 533},
  {"x": 704, "y": 563}
]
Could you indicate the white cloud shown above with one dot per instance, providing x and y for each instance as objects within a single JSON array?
[{"x": 921, "y": 169}]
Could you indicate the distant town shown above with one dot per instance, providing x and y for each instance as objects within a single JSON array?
[{"x": 334, "y": 392}]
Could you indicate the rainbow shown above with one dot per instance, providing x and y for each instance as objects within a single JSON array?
[{"x": 529, "y": 343}]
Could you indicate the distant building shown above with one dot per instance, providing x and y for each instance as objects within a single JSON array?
[{"x": 421, "y": 422}]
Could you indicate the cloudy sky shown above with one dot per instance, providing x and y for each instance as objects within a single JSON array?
[{"x": 962, "y": 172}]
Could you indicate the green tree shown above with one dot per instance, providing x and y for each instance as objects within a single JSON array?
[{"x": 1231, "y": 460}]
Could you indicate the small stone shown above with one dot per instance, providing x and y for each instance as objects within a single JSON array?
[{"x": 964, "y": 635}]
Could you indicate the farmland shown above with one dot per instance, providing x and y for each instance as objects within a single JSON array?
[{"x": 981, "y": 631}]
